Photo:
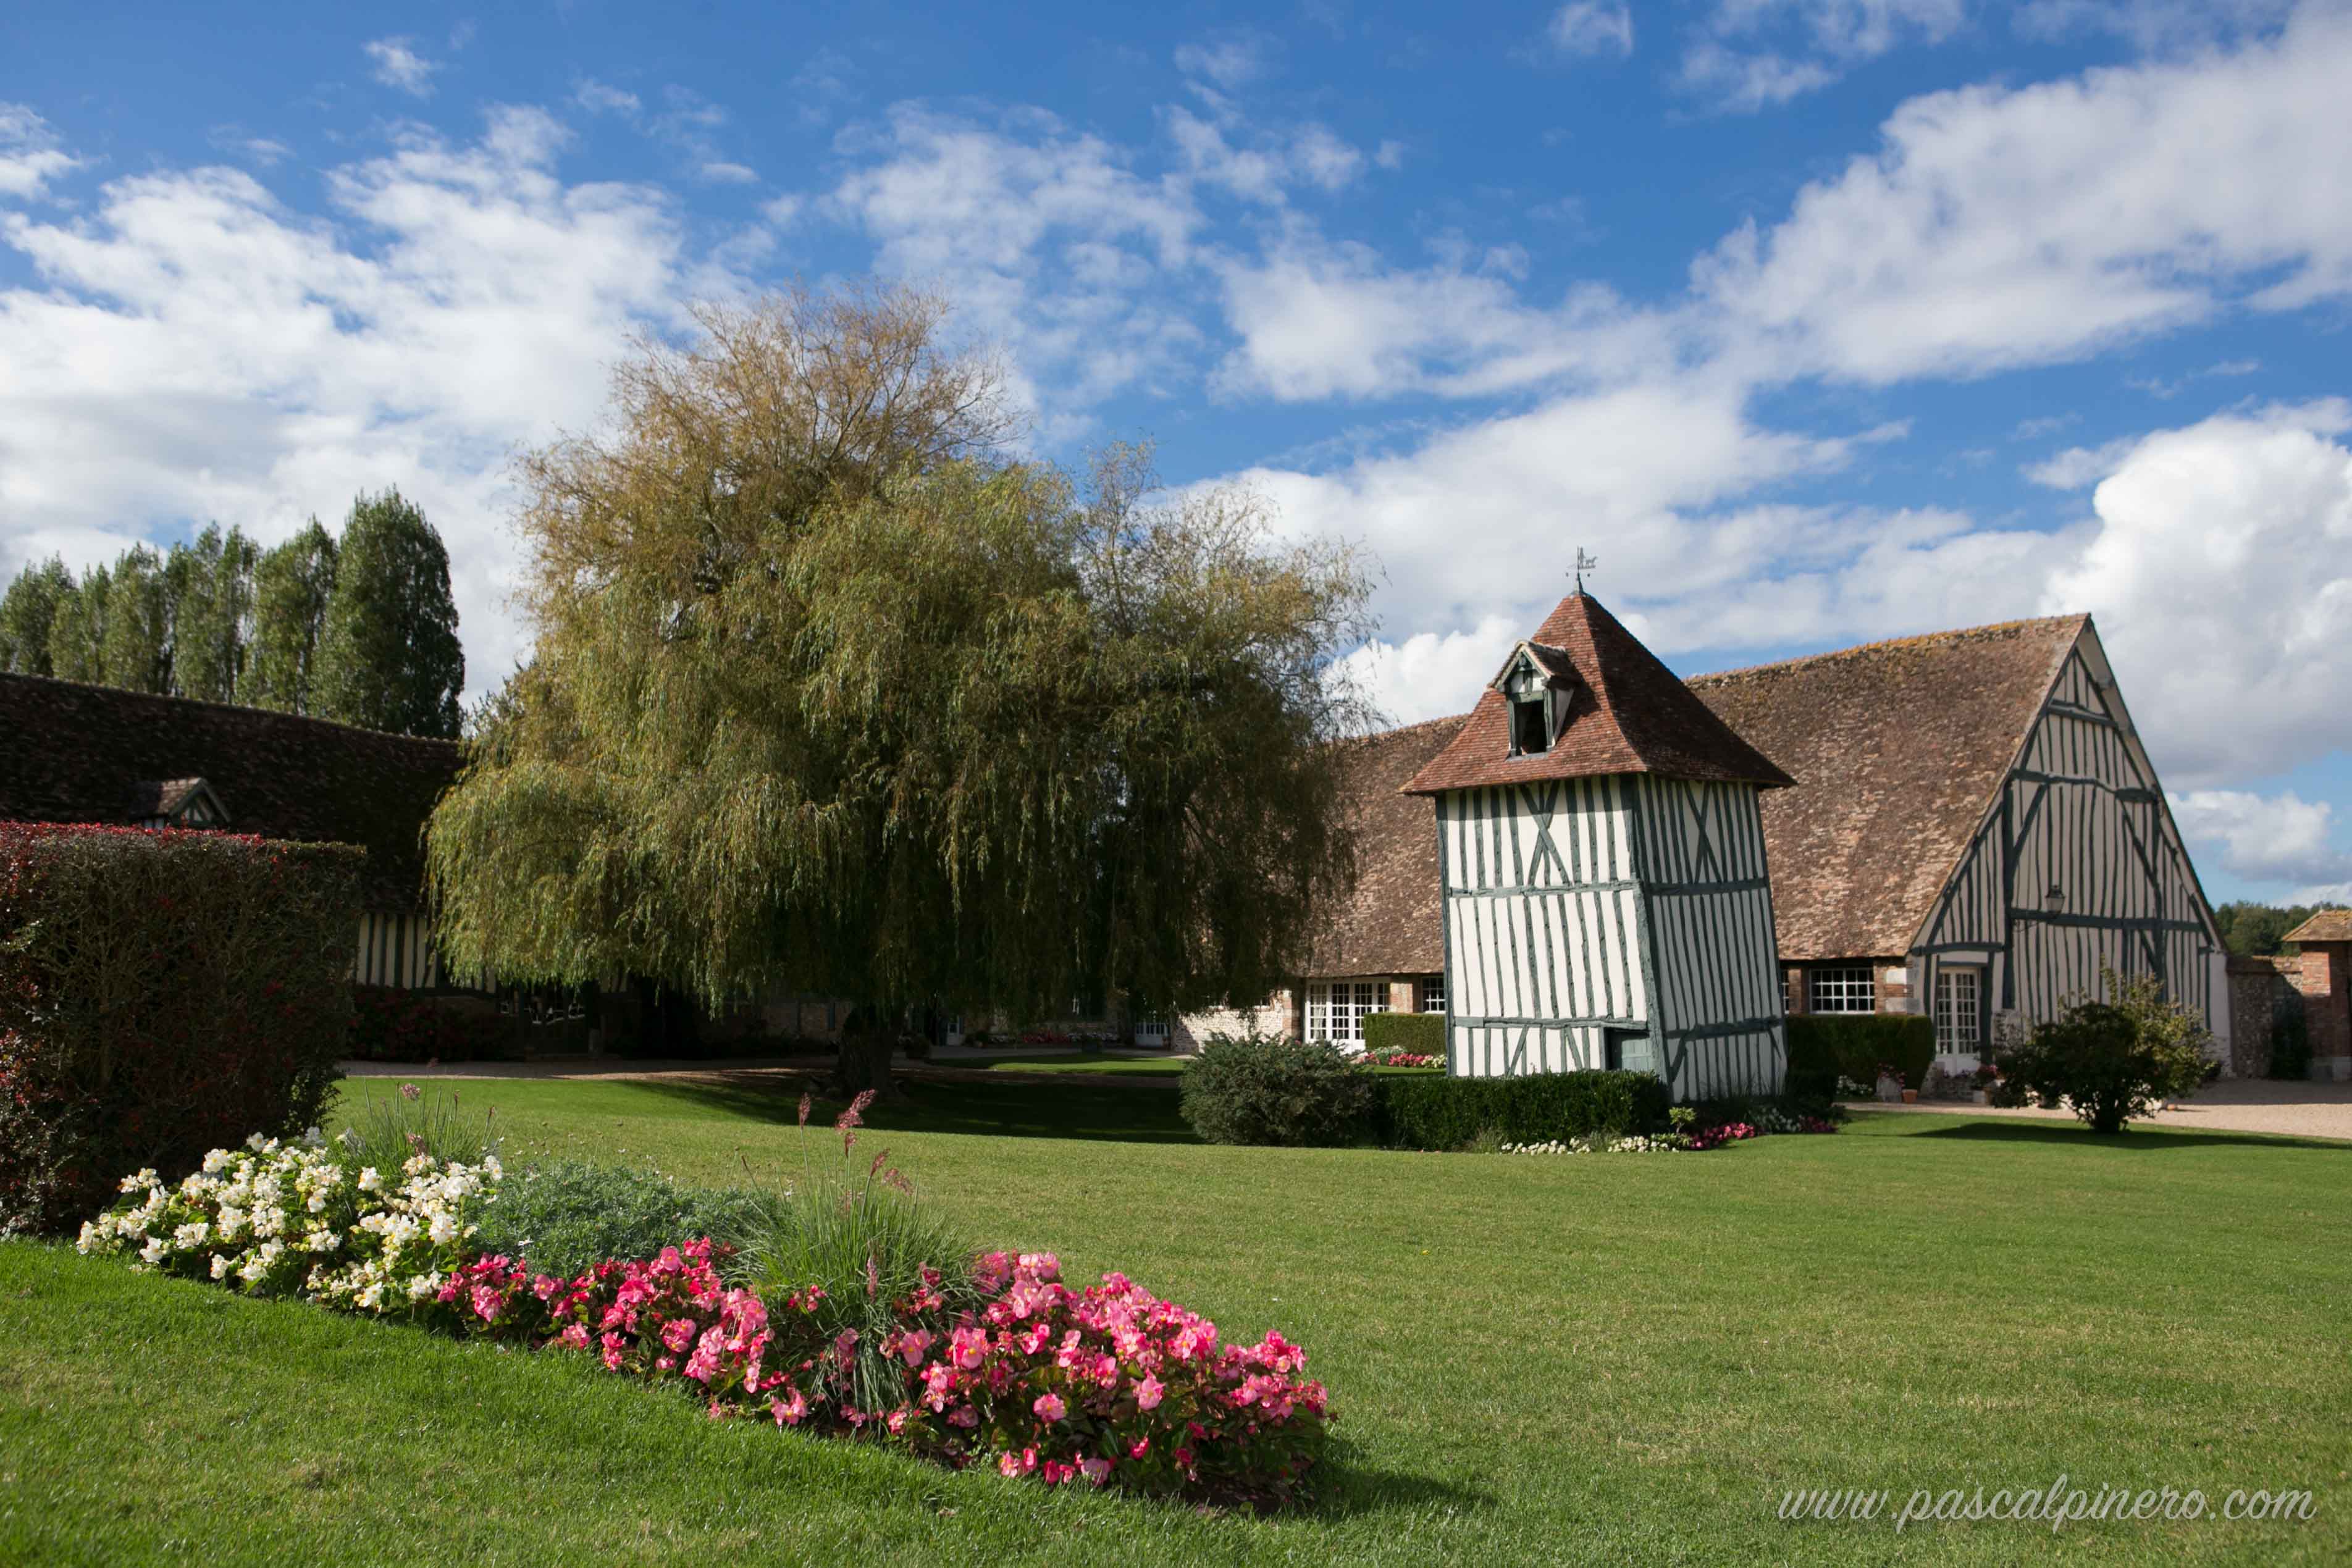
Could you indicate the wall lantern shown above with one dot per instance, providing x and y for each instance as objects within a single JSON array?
[{"x": 2055, "y": 900}]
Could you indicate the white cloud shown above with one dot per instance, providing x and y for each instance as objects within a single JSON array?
[
  {"x": 726, "y": 173},
  {"x": 1047, "y": 240},
  {"x": 2151, "y": 24},
  {"x": 29, "y": 154},
  {"x": 1636, "y": 475},
  {"x": 397, "y": 63},
  {"x": 1753, "y": 53},
  {"x": 2078, "y": 466},
  {"x": 2215, "y": 575},
  {"x": 1742, "y": 83},
  {"x": 1432, "y": 674},
  {"x": 2000, "y": 227},
  {"x": 601, "y": 98},
  {"x": 1232, "y": 63},
  {"x": 2280, "y": 838},
  {"x": 238, "y": 142},
  {"x": 192, "y": 350},
  {"x": 1319, "y": 320},
  {"x": 1594, "y": 27}
]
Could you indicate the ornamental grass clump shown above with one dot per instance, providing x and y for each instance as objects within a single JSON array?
[
  {"x": 857, "y": 1238},
  {"x": 567, "y": 1216}
]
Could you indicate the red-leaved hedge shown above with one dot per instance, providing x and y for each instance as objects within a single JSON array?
[{"x": 162, "y": 993}]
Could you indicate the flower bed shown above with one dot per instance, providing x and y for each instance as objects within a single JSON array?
[{"x": 1106, "y": 1385}]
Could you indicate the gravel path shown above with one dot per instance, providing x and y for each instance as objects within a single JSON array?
[{"x": 2232, "y": 1105}]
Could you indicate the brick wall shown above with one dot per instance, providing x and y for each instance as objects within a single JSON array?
[{"x": 2319, "y": 976}]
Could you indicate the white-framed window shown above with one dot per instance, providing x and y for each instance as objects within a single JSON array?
[
  {"x": 1959, "y": 994},
  {"x": 1151, "y": 1031},
  {"x": 1848, "y": 988},
  {"x": 1336, "y": 1008},
  {"x": 1428, "y": 994}
]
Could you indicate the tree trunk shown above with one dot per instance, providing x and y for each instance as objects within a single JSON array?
[{"x": 867, "y": 1043}]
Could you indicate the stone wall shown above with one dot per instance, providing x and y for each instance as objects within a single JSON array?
[
  {"x": 2262, "y": 992},
  {"x": 1278, "y": 1015}
]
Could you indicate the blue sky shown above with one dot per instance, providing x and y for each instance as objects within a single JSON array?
[{"x": 1816, "y": 320}]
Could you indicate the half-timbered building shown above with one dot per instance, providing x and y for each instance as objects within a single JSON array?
[
  {"x": 1976, "y": 832},
  {"x": 1602, "y": 873}
]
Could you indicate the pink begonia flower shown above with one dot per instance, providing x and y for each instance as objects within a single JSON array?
[
  {"x": 1148, "y": 1393},
  {"x": 963, "y": 1416},
  {"x": 573, "y": 1337},
  {"x": 968, "y": 1348},
  {"x": 1049, "y": 1406},
  {"x": 896, "y": 1421},
  {"x": 1096, "y": 1470},
  {"x": 1140, "y": 1447},
  {"x": 677, "y": 1334},
  {"x": 1008, "y": 1465},
  {"x": 1034, "y": 1339},
  {"x": 913, "y": 1343},
  {"x": 1056, "y": 1472},
  {"x": 789, "y": 1410}
]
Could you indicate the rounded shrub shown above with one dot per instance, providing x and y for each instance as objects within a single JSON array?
[{"x": 1261, "y": 1089}]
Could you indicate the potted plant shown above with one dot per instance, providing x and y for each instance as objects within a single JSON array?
[
  {"x": 1890, "y": 1085},
  {"x": 1988, "y": 1075}
]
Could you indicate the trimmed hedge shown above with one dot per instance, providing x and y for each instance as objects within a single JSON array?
[
  {"x": 162, "y": 994},
  {"x": 1418, "y": 1112},
  {"x": 1423, "y": 1034},
  {"x": 1824, "y": 1047}
]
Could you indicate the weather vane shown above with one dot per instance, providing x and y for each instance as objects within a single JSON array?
[{"x": 1585, "y": 563}]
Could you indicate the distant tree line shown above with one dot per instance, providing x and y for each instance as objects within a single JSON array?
[
  {"x": 361, "y": 628},
  {"x": 2259, "y": 930}
]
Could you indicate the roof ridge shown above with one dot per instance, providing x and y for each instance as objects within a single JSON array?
[
  {"x": 1917, "y": 638},
  {"x": 227, "y": 707}
]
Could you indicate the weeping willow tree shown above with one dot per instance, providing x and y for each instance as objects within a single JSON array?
[{"x": 834, "y": 694}]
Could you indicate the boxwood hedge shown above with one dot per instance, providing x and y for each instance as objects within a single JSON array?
[{"x": 1417, "y": 1112}]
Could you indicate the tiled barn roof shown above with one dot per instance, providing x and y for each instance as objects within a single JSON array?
[
  {"x": 1392, "y": 926},
  {"x": 1897, "y": 748},
  {"x": 75, "y": 753},
  {"x": 1627, "y": 714}
]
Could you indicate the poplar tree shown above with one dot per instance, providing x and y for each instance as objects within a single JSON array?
[
  {"x": 136, "y": 648},
  {"x": 291, "y": 584},
  {"x": 27, "y": 611},
  {"x": 389, "y": 656},
  {"x": 212, "y": 613},
  {"x": 77, "y": 631},
  {"x": 832, "y": 695}
]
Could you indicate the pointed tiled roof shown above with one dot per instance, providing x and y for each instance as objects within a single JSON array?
[{"x": 1627, "y": 714}]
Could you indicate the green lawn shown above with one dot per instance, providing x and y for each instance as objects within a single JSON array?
[{"x": 1591, "y": 1358}]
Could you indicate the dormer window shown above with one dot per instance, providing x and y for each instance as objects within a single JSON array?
[
  {"x": 1529, "y": 691},
  {"x": 1530, "y": 726}
]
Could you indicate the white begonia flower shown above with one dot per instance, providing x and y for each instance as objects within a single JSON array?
[
  {"x": 370, "y": 1181},
  {"x": 215, "y": 1161},
  {"x": 220, "y": 1265},
  {"x": 311, "y": 1136},
  {"x": 317, "y": 1204},
  {"x": 193, "y": 1234},
  {"x": 253, "y": 1270},
  {"x": 443, "y": 1229}
]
